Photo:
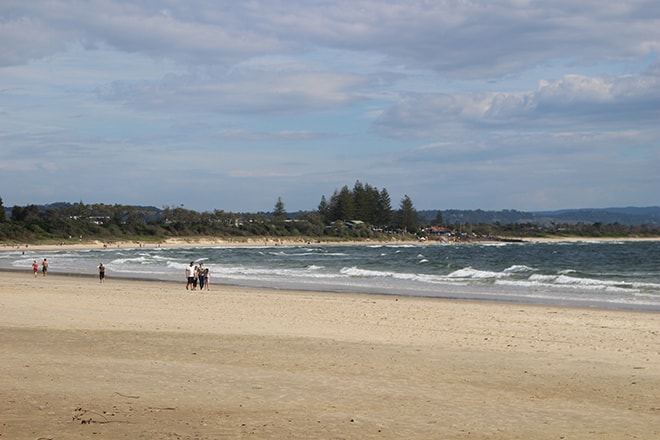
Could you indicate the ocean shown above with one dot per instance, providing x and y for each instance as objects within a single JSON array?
[{"x": 604, "y": 274}]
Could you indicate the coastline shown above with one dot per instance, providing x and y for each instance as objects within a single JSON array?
[
  {"x": 192, "y": 242},
  {"x": 303, "y": 271},
  {"x": 148, "y": 358}
]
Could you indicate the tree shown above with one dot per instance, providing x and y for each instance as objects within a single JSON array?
[
  {"x": 3, "y": 216},
  {"x": 280, "y": 213},
  {"x": 311, "y": 223},
  {"x": 365, "y": 200},
  {"x": 407, "y": 218},
  {"x": 360, "y": 201},
  {"x": 342, "y": 205},
  {"x": 29, "y": 213},
  {"x": 324, "y": 210},
  {"x": 383, "y": 209}
]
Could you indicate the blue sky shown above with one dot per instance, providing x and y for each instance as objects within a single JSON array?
[{"x": 529, "y": 105}]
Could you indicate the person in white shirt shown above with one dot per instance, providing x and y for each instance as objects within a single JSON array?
[{"x": 190, "y": 275}]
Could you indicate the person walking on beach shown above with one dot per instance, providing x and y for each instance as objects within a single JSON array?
[
  {"x": 101, "y": 273},
  {"x": 195, "y": 277},
  {"x": 201, "y": 276},
  {"x": 35, "y": 268},
  {"x": 44, "y": 267},
  {"x": 190, "y": 275},
  {"x": 207, "y": 278}
]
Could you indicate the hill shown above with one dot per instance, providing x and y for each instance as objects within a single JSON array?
[
  {"x": 626, "y": 216},
  {"x": 631, "y": 216}
]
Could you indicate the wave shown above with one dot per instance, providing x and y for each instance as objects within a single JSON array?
[
  {"x": 355, "y": 272},
  {"x": 629, "y": 272},
  {"x": 250, "y": 272},
  {"x": 176, "y": 265},
  {"x": 470, "y": 273},
  {"x": 519, "y": 268},
  {"x": 123, "y": 261},
  {"x": 565, "y": 281},
  {"x": 307, "y": 254}
]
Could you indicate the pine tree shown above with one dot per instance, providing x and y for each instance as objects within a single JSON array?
[
  {"x": 342, "y": 205},
  {"x": 407, "y": 216},
  {"x": 280, "y": 212},
  {"x": 324, "y": 210},
  {"x": 383, "y": 209}
]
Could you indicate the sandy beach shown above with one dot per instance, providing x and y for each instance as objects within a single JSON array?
[
  {"x": 284, "y": 241},
  {"x": 146, "y": 359}
]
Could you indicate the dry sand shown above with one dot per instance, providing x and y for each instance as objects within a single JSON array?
[
  {"x": 150, "y": 360},
  {"x": 285, "y": 241}
]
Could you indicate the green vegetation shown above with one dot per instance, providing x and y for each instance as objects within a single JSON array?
[
  {"x": 358, "y": 213},
  {"x": 363, "y": 212},
  {"x": 557, "y": 230}
]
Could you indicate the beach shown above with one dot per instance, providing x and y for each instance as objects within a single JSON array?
[
  {"x": 184, "y": 242},
  {"x": 148, "y": 359}
]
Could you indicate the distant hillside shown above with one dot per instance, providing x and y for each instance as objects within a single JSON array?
[
  {"x": 147, "y": 212},
  {"x": 625, "y": 216},
  {"x": 631, "y": 216}
]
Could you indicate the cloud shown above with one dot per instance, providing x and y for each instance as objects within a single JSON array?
[
  {"x": 163, "y": 30},
  {"x": 240, "y": 91},
  {"x": 459, "y": 39},
  {"x": 279, "y": 136},
  {"x": 573, "y": 101}
]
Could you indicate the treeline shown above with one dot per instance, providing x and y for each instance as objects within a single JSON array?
[
  {"x": 362, "y": 211},
  {"x": 534, "y": 230},
  {"x": 626, "y": 216}
]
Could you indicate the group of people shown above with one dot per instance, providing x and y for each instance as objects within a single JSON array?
[
  {"x": 195, "y": 275},
  {"x": 198, "y": 275},
  {"x": 44, "y": 267}
]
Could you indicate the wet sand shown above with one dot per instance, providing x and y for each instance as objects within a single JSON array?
[{"x": 147, "y": 359}]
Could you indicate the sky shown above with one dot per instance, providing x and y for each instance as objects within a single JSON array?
[{"x": 230, "y": 105}]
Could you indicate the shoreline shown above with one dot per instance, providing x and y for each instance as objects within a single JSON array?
[
  {"x": 192, "y": 242},
  {"x": 521, "y": 293},
  {"x": 85, "y": 359},
  {"x": 474, "y": 297}
]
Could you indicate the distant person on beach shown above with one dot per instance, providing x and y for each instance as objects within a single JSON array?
[
  {"x": 101, "y": 273},
  {"x": 35, "y": 268},
  {"x": 195, "y": 277},
  {"x": 190, "y": 275},
  {"x": 207, "y": 278},
  {"x": 44, "y": 267},
  {"x": 201, "y": 276}
]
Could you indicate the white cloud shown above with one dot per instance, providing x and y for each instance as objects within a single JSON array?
[
  {"x": 466, "y": 39},
  {"x": 572, "y": 101},
  {"x": 240, "y": 91},
  {"x": 279, "y": 136}
]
